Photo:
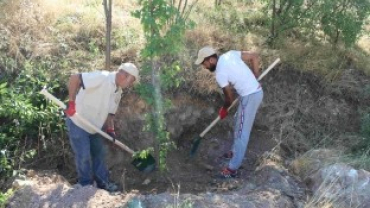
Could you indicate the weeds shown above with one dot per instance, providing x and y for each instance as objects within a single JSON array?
[
  {"x": 4, "y": 197},
  {"x": 25, "y": 115}
]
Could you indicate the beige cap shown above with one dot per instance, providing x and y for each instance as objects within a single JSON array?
[
  {"x": 204, "y": 53},
  {"x": 131, "y": 69}
]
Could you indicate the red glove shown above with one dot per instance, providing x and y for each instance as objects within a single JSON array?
[
  {"x": 112, "y": 133},
  {"x": 71, "y": 109},
  {"x": 222, "y": 112}
]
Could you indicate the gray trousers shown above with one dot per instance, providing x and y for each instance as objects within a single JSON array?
[{"x": 244, "y": 119}]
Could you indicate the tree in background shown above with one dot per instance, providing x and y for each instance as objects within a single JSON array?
[
  {"x": 108, "y": 17},
  {"x": 340, "y": 21}
]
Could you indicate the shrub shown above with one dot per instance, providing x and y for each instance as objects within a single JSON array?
[
  {"x": 164, "y": 27},
  {"x": 339, "y": 21},
  {"x": 24, "y": 115}
]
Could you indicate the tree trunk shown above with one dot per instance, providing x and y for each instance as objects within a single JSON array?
[
  {"x": 108, "y": 17},
  {"x": 273, "y": 19}
]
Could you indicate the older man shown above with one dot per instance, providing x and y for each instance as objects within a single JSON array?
[
  {"x": 95, "y": 96},
  {"x": 231, "y": 72}
]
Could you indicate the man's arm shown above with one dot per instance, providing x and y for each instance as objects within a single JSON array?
[
  {"x": 254, "y": 59},
  {"x": 109, "y": 126},
  {"x": 109, "y": 122},
  {"x": 229, "y": 96},
  {"x": 75, "y": 83}
]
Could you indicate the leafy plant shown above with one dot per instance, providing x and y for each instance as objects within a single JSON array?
[
  {"x": 343, "y": 19},
  {"x": 24, "y": 114},
  {"x": 5, "y": 196},
  {"x": 164, "y": 26},
  {"x": 340, "y": 21}
]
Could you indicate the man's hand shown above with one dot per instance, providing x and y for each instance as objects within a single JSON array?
[
  {"x": 112, "y": 133},
  {"x": 222, "y": 112},
  {"x": 71, "y": 110}
]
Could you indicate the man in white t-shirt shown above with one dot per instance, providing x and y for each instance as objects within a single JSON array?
[
  {"x": 231, "y": 72},
  {"x": 95, "y": 96}
]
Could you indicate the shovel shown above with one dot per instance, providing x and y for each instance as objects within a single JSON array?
[
  {"x": 196, "y": 140},
  {"x": 142, "y": 164}
]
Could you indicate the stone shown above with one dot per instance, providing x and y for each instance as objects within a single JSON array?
[
  {"x": 17, "y": 184},
  {"x": 342, "y": 186}
]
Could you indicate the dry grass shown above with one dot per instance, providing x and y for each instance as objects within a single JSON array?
[
  {"x": 325, "y": 60},
  {"x": 40, "y": 28},
  {"x": 359, "y": 161},
  {"x": 30, "y": 24},
  {"x": 360, "y": 55},
  {"x": 364, "y": 43}
]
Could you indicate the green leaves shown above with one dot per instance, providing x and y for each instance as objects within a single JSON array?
[
  {"x": 170, "y": 76},
  {"x": 5, "y": 196},
  {"x": 164, "y": 28},
  {"x": 341, "y": 21},
  {"x": 24, "y": 114},
  {"x": 143, "y": 154}
]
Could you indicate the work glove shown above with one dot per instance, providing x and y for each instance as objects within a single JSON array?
[
  {"x": 112, "y": 133},
  {"x": 71, "y": 109},
  {"x": 222, "y": 112}
]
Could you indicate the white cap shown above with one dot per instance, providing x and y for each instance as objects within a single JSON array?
[
  {"x": 204, "y": 53},
  {"x": 131, "y": 69}
]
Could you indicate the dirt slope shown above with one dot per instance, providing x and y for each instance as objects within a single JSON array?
[{"x": 299, "y": 111}]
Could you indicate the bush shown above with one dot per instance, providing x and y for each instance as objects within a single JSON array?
[
  {"x": 339, "y": 21},
  {"x": 4, "y": 197},
  {"x": 25, "y": 117}
]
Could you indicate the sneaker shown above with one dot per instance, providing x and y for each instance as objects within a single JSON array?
[
  {"x": 227, "y": 173},
  {"x": 110, "y": 187},
  {"x": 228, "y": 155}
]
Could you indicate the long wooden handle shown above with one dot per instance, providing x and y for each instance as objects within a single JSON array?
[
  {"x": 237, "y": 99},
  {"x": 86, "y": 122}
]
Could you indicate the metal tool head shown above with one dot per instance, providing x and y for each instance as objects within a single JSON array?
[
  {"x": 145, "y": 165},
  {"x": 195, "y": 145}
]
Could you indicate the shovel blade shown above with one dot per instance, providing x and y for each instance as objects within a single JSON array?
[
  {"x": 145, "y": 165},
  {"x": 195, "y": 145}
]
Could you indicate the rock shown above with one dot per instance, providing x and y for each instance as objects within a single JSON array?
[
  {"x": 31, "y": 173},
  {"x": 312, "y": 161},
  {"x": 17, "y": 184},
  {"x": 341, "y": 185},
  {"x": 146, "y": 181}
]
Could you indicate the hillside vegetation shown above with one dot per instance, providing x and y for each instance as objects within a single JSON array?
[{"x": 324, "y": 46}]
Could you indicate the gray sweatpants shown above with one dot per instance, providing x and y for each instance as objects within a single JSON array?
[{"x": 248, "y": 106}]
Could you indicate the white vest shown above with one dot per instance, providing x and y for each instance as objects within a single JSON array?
[{"x": 99, "y": 97}]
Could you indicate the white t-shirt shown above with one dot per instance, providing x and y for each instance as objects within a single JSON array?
[
  {"x": 231, "y": 69},
  {"x": 98, "y": 97}
]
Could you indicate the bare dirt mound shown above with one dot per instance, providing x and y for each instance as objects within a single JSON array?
[{"x": 274, "y": 187}]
